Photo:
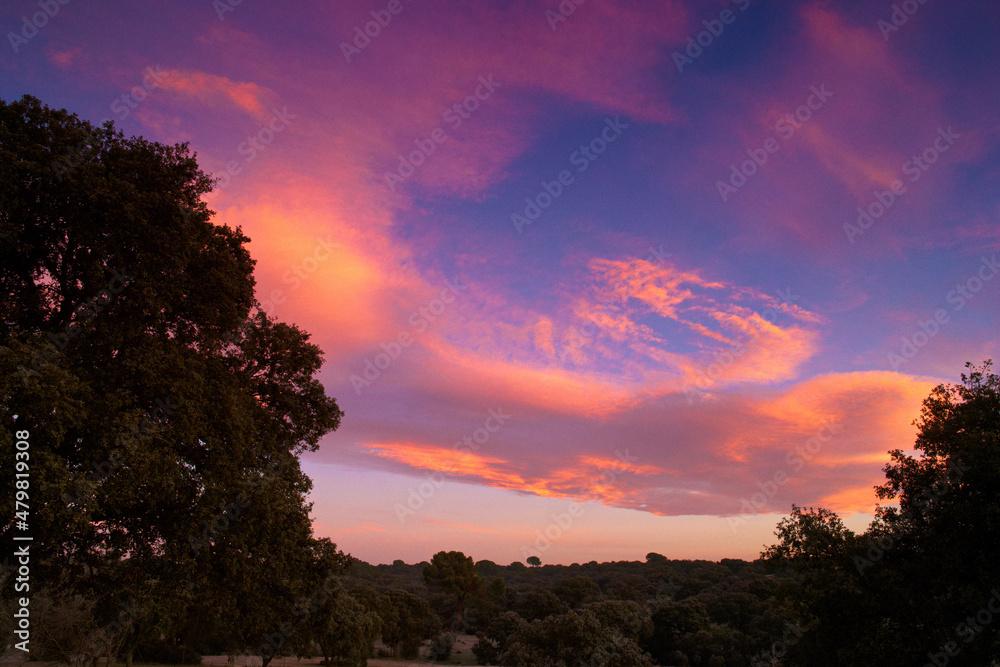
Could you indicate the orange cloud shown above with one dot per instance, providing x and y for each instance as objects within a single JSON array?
[
  {"x": 588, "y": 477},
  {"x": 850, "y": 501},
  {"x": 828, "y": 435},
  {"x": 365, "y": 527},
  {"x": 621, "y": 465},
  {"x": 547, "y": 387},
  {"x": 216, "y": 91},
  {"x": 317, "y": 265},
  {"x": 489, "y": 470},
  {"x": 610, "y": 357},
  {"x": 864, "y": 396}
]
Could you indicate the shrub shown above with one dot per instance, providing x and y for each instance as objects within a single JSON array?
[{"x": 441, "y": 646}]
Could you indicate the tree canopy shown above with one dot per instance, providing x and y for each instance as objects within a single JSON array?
[
  {"x": 456, "y": 575},
  {"x": 917, "y": 586},
  {"x": 166, "y": 410}
]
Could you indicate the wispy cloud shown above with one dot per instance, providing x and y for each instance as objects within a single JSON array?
[{"x": 219, "y": 92}]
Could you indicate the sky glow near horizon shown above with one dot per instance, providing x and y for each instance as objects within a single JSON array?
[{"x": 582, "y": 278}]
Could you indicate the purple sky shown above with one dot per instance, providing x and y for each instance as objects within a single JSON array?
[{"x": 666, "y": 267}]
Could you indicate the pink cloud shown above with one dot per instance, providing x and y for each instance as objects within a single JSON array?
[
  {"x": 617, "y": 361},
  {"x": 586, "y": 477},
  {"x": 402, "y": 86},
  {"x": 218, "y": 92},
  {"x": 828, "y": 435},
  {"x": 65, "y": 58},
  {"x": 364, "y": 527},
  {"x": 841, "y": 155}
]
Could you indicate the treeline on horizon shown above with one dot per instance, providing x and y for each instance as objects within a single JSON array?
[{"x": 158, "y": 414}]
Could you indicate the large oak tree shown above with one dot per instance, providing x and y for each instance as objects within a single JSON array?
[{"x": 166, "y": 410}]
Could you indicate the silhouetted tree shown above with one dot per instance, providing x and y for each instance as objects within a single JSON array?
[
  {"x": 573, "y": 639},
  {"x": 407, "y": 621},
  {"x": 454, "y": 573},
  {"x": 487, "y": 604},
  {"x": 576, "y": 591},
  {"x": 348, "y": 630},
  {"x": 904, "y": 592},
  {"x": 157, "y": 395},
  {"x": 537, "y": 605}
]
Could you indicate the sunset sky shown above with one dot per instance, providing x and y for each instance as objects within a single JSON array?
[{"x": 667, "y": 267}]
